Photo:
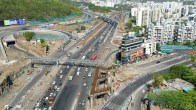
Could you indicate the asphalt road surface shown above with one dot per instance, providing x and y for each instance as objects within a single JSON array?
[
  {"x": 78, "y": 95},
  {"x": 17, "y": 99},
  {"x": 117, "y": 101},
  {"x": 140, "y": 95}
]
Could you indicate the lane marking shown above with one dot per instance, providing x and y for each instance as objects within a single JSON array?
[{"x": 162, "y": 62}]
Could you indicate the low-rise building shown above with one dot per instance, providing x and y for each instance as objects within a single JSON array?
[
  {"x": 180, "y": 84},
  {"x": 131, "y": 48}
]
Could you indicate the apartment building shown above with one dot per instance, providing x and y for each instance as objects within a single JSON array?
[
  {"x": 142, "y": 15},
  {"x": 170, "y": 32}
]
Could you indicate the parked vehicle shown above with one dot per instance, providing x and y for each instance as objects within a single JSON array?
[
  {"x": 70, "y": 77},
  {"x": 89, "y": 74},
  {"x": 51, "y": 100},
  {"x": 83, "y": 57},
  {"x": 94, "y": 57}
]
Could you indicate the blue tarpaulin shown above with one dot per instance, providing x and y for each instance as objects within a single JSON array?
[
  {"x": 187, "y": 89},
  {"x": 49, "y": 37},
  {"x": 52, "y": 19},
  {"x": 175, "y": 47}
]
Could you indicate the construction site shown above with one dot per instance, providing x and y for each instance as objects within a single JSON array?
[{"x": 15, "y": 70}]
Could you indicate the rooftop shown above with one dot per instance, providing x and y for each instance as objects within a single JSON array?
[
  {"x": 180, "y": 84},
  {"x": 9, "y": 38}
]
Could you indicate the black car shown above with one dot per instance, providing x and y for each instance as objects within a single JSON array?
[
  {"x": 60, "y": 84},
  {"x": 158, "y": 62}
]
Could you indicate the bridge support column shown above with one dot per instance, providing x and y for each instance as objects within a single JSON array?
[{"x": 91, "y": 101}]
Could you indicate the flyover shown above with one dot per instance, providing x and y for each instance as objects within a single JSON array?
[
  {"x": 72, "y": 62},
  {"x": 73, "y": 93}
]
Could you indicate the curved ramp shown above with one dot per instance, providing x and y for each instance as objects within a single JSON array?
[{"x": 3, "y": 53}]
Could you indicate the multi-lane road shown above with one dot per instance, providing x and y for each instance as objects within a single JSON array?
[
  {"x": 58, "y": 54},
  {"x": 74, "y": 93},
  {"x": 117, "y": 101}
]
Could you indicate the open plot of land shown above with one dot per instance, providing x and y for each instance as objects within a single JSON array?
[
  {"x": 37, "y": 49},
  {"x": 70, "y": 28}
]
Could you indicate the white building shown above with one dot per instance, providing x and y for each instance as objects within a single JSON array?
[
  {"x": 106, "y": 3},
  {"x": 142, "y": 15},
  {"x": 149, "y": 46}
]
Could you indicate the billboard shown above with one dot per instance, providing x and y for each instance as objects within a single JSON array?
[
  {"x": 6, "y": 22},
  {"x": 13, "y": 21},
  {"x": 21, "y": 21}
]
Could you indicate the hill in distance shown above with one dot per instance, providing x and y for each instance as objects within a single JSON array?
[{"x": 36, "y": 9}]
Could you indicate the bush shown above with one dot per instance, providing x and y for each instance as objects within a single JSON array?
[
  {"x": 83, "y": 27},
  {"x": 174, "y": 100},
  {"x": 43, "y": 42},
  {"x": 28, "y": 35},
  {"x": 98, "y": 8}
]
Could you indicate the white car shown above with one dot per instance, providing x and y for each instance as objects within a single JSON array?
[
  {"x": 50, "y": 108},
  {"x": 38, "y": 103},
  {"x": 54, "y": 82},
  {"x": 61, "y": 76},
  {"x": 61, "y": 71},
  {"x": 89, "y": 74},
  {"x": 78, "y": 73},
  {"x": 51, "y": 94},
  {"x": 55, "y": 87},
  {"x": 70, "y": 77},
  {"x": 83, "y": 102},
  {"x": 78, "y": 68},
  {"x": 58, "y": 89},
  {"x": 46, "y": 98},
  {"x": 84, "y": 84},
  {"x": 86, "y": 69},
  {"x": 67, "y": 66}
]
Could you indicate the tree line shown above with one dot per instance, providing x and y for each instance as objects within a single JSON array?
[{"x": 36, "y": 9}]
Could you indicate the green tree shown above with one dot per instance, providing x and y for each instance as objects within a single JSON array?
[
  {"x": 174, "y": 100},
  {"x": 194, "y": 41},
  {"x": 193, "y": 58},
  {"x": 158, "y": 47},
  {"x": 129, "y": 25},
  {"x": 157, "y": 81},
  {"x": 28, "y": 35},
  {"x": 182, "y": 72},
  {"x": 43, "y": 42},
  {"x": 83, "y": 27},
  {"x": 188, "y": 43},
  {"x": 98, "y": 8},
  {"x": 36, "y": 9}
]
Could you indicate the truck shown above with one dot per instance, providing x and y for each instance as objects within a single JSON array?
[{"x": 94, "y": 57}]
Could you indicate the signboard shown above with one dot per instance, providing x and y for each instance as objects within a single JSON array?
[
  {"x": 21, "y": 21},
  {"x": 6, "y": 22},
  {"x": 13, "y": 22}
]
